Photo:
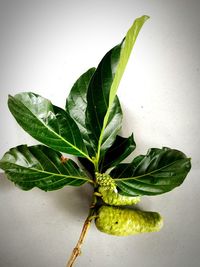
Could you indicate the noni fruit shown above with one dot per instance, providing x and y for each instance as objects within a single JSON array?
[
  {"x": 106, "y": 181},
  {"x": 123, "y": 222},
  {"x": 114, "y": 199}
]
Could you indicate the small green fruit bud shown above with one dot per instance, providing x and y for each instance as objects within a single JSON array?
[
  {"x": 106, "y": 181},
  {"x": 124, "y": 222},
  {"x": 114, "y": 199}
]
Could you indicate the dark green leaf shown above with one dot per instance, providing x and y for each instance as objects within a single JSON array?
[
  {"x": 160, "y": 171},
  {"x": 47, "y": 123},
  {"x": 103, "y": 87},
  {"x": 121, "y": 148},
  {"x": 42, "y": 167},
  {"x": 113, "y": 126},
  {"x": 88, "y": 166},
  {"x": 98, "y": 100},
  {"x": 76, "y": 103}
]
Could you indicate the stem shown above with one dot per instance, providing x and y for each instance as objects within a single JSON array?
[
  {"x": 77, "y": 250},
  {"x": 96, "y": 165}
]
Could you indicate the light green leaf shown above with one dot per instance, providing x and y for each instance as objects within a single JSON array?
[
  {"x": 126, "y": 49},
  {"x": 103, "y": 87}
]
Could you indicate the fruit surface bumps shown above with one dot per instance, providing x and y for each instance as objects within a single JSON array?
[
  {"x": 105, "y": 180},
  {"x": 123, "y": 222},
  {"x": 114, "y": 199}
]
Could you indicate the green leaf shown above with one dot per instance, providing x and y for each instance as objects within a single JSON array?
[
  {"x": 113, "y": 126},
  {"x": 125, "y": 53},
  {"x": 76, "y": 103},
  {"x": 103, "y": 87},
  {"x": 158, "y": 172},
  {"x": 42, "y": 167},
  {"x": 47, "y": 123},
  {"x": 88, "y": 166},
  {"x": 98, "y": 100},
  {"x": 121, "y": 148}
]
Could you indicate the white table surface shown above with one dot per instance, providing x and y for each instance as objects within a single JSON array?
[{"x": 44, "y": 47}]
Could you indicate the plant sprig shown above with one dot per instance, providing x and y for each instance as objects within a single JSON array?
[{"x": 89, "y": 128}]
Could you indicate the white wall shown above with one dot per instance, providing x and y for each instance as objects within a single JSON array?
[{"x": 44, "y": 47}]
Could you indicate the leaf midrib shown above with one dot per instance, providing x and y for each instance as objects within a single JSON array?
[
  {"x": 59, "y": 136},
  {"x": 51, "y": 173},
  {"x": 150, "y": 173},
  {"x": 154, "y": 185},
  {"x": 123, "y": 59}
]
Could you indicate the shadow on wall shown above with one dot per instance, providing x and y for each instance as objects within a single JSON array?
[
  {"x": 73, "y": 200},
  {"x": 5, "y": 185},
  {"x": 69, "y": 200}
]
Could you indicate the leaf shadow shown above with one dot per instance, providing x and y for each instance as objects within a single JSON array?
[
  {"x": 5, "y": 184},
  {"x": 69, "y": 200},
  {"x": 73, "y": 200}
]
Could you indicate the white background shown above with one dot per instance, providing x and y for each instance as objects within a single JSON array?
[{"x": 45, "y": 46}]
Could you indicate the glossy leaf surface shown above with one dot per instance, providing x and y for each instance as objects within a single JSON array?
[
  {"x": 47, "y": 123},
  {"x": 42, "y": 167},
  {"x": 76, "y": 103},
  {"x": 125, "y": 53},
  {"x": 103, "y": 87},
  {"x": 88, "y": 166},
  {"x": 113, "y": 126},
  {"x": 121, "y": 148},
  {"x": 98, "y": 97},
  {"x": 158, "y": 172}
]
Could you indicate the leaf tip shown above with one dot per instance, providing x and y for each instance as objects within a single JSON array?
[
  {"x": 189, "y": 165},
  {"x": 10, "y": 97},
  {"x": 146, "y": 17}
]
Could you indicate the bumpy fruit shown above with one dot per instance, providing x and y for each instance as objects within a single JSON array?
[
  {"x": 114, "y": 199},
  {"x": 124, "y": 222},
  {"x": 106, "y": 181}
]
